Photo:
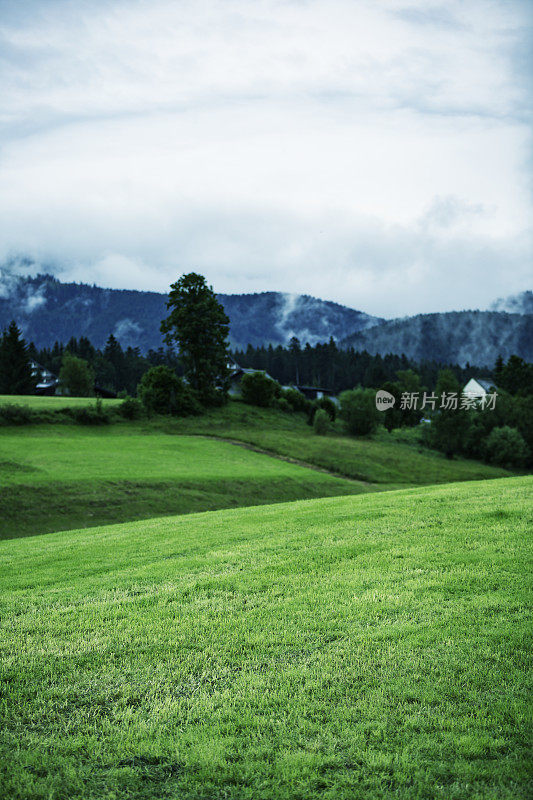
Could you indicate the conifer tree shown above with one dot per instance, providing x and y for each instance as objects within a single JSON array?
[{"x": 15, "y": 367}]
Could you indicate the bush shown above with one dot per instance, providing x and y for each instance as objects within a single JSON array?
[
  {"x": 12, "y": 414},
  {"x": 282, "y": 404},
  {"x": 358, "y": 411},
  {"x": 321, "y": 422},
  {"x": 296, "y": 400},
  {"x": 324, "y": 403},
  {"x": 258, "y": 389},
  {"x": 131, "y": 408},
  {"x": 506, "y": 446},
  {"x": 90, "y": 415},
  {"x": 76, "y": 376},
  {"x": 327, "y": 404},
  {"x": 162, "y": 392}
]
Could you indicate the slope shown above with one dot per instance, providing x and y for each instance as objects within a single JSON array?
[
  {"x": 360, "y": 647},
  {"x": 454, "y": 337}
]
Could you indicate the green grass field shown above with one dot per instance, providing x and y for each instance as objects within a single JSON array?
[
  {"x": 60, "y": 477},
  {"x": 42, "y": 403},
  {"x": 387, "y": 460},
  {"x": 370, "y": 646}
]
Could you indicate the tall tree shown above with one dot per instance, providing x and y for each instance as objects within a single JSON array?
[
  {"x": 295, "y": 351},
  {"x": 15, "y": 367},
  {"x": 199, "y": 326},
  {"x": 76, "y": 376}
]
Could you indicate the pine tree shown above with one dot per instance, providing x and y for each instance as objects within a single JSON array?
[{"x": 15, "y": 368}]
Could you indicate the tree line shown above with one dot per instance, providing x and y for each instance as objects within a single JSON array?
[
  {"x": 334, "y": 369},
  {"x": 119, "y": 370}
]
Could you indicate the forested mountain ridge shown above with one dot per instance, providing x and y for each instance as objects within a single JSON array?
[
  {"x": 460, "y": 337},
  {"x": 48, "y": 310}
]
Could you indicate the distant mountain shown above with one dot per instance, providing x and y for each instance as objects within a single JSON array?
[
  {"x": 48, "y": 310},
  {"x": 477, "y": 337},
  {"x": 515, "y": 304}
]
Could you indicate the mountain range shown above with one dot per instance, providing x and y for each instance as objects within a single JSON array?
[{"x": 48, "y": 310}]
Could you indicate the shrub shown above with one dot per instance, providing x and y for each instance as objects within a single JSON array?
[
  {"x": 327, "y": 404},
  {"x": 506, "y": 446},
  {"x": 296, "y": 400},
  {"x": 76, "y": 376},
  {"x": 258, "y": 389},
  {"x": 12, "y": 414},
  {"x": 131, "y": 408},
  {"x": 321, "y": 422},
  {"x": 90, "y": 415},
  {"x": 162, "y": 392},
  {"x": 358, "y": 411},
  {"x": 282, "y": 404}
]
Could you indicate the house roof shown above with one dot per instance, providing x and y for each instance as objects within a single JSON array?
[
  {"x": 487, "y": 385},
  {"x": 302, "y": 388},
  {"x": 239, "y": 371}
]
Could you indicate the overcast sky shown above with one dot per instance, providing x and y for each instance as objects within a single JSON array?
[{"x": 372, "y": 152}]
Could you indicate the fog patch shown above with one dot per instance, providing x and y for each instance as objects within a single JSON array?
[{"x": 128, "y": 332}]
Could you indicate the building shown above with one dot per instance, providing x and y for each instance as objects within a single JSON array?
[
  {"x": 47, "y": 382},
  {"x": 478, "y": 388},
  {"x": 236, "y": 375},
  {"x": 237, "y": 372},
  {"x": 313, "y": 392}
]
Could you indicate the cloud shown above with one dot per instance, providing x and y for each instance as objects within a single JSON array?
[
  {"x": 34, "y": 300},
  {"x": 127, "y": 331},
  {"x": 375, "y": 154}
]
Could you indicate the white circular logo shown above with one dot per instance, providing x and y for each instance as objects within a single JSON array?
[{"x": 384, "y": 400}]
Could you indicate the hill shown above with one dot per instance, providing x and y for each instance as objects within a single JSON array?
[
  {"x": 454, "y": 337},
  {"x": 48, "y": 311},
  {"x": 56, "y": 477},
  {"x": 359, "y": 647}
]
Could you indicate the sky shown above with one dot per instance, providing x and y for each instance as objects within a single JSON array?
[{"x": 372, "y": 152}]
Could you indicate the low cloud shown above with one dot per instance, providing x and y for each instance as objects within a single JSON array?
[{"x": 127, "y": 332}]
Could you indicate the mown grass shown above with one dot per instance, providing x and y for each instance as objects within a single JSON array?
[
  {"x": 369, "y": 647},
  {"x": 60, "y": 477}
]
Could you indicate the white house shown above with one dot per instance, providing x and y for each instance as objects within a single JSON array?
[
  {"x": 478, "y": 388},
  {"x": 46, "y": 381}
]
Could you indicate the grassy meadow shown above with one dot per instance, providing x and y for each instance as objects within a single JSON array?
[
  {"x": 370, "y": 646},
  {"x": 54, "y": 403},
  {"x": 66, "y": 476},
  {"x": 386, "y": 460},
  {"x": 63, "y": 476}
]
